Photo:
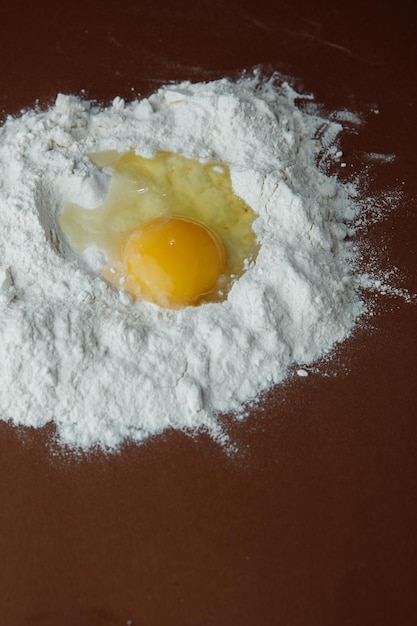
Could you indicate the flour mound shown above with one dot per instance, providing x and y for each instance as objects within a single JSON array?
[{"x": 77, "y": 352}]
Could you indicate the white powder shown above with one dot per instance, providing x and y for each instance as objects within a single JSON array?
[{"x": 77, "y": 352}]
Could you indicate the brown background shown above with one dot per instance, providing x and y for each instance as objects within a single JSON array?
[{"x": 313, "y": 522}]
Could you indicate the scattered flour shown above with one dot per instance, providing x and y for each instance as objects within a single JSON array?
[{"x": 77, "y": 352}]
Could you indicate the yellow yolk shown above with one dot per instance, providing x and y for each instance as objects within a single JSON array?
[
  {"x": 173, "y": 261},
  {"x": 171, "y": 228}
]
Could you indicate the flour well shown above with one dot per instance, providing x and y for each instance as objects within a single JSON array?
[{"x": 79, "y": 353}]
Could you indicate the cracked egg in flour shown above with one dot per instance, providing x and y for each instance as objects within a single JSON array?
[{"x": 171, "y": 228}]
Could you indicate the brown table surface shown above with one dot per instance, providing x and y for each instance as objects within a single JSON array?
[{"x": 314, "y": 521}]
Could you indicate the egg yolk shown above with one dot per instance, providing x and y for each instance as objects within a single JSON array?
[{"x": 173, "y": 261}]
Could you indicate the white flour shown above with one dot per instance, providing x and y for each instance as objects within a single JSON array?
[{"x": 75, "y": 351}]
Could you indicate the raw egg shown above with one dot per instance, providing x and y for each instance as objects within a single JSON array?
[{"x": 171, "y": 228}]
